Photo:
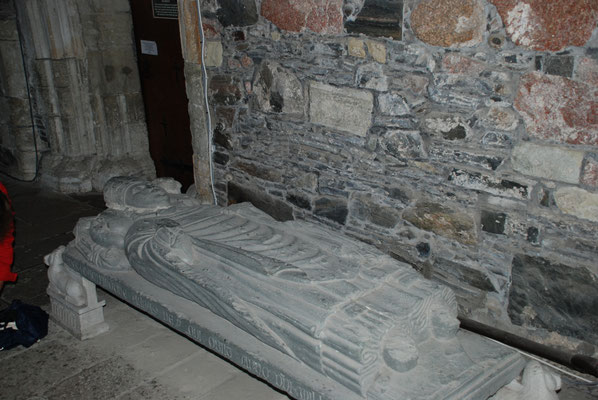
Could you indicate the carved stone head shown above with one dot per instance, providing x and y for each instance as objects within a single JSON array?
[{"x": 126, "y": 192}]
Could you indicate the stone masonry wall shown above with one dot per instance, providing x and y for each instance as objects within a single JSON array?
[
  {"x": 458, "y": 135},
  {"x": 17, "y": 147},
  {"x": 85, "y": 92}
]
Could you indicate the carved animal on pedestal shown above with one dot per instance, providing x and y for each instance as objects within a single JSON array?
[{"x": 535, "y": 384}]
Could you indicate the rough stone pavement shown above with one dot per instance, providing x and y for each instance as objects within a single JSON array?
[{"x": 138, "y": 358}]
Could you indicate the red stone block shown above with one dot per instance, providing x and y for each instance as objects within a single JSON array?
[
  {"x": 320, "y": 16},
  {"x": 548, "y": 24},
  {"x": 558, "y": 109},
  {"x": 449, "y": 23}
]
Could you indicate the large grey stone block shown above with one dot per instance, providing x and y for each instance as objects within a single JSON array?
[
  {"x": 348, "y": 110},
  {"x": 547, "y": 162}
]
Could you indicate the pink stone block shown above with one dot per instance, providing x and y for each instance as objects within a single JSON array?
[
  {"x": 558, "y": 109},
  {"x": 449, "y": 23},
  {"x": 320, "y": 16},
  {"x": 548, "y": 25}
]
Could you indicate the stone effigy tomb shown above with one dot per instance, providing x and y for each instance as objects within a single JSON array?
[{"x": 312, "y": 312}]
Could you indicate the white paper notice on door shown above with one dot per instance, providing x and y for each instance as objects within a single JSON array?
[{"x": 149, "y": 47}]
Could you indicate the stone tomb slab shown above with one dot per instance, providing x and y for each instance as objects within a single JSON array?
[
  {"x": 495, "y": 366},
  {"x": 313, "y": 313}
]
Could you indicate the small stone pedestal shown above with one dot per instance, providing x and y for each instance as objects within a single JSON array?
[
  {"x": 83, "y": 322},
  {"x": 74, "y": 299}
]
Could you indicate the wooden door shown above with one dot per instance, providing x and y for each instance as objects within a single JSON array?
[{"x": 161, "y": 69}]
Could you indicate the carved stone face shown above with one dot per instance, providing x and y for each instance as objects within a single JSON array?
[
  {"x": 129, "y": 192},
  {"x": 109, "y": 228},
  {"x": 145, "y": 195}
]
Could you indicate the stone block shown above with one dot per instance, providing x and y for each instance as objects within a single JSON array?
[
  {"x": 392, "y": 104},
  {"x": 356, "y": 48},
  {"x": 499, "y": 140},
  {"x": 190, "y": 38},
  {"x": 587, "y": 71},
  {"x": 449, "y": 23},
  {"x": 225, "y": 89},
  {"x": 489, "y": 184},
  {"x": 461, "y": 273},
  {"x": 115, "y": 30},
  {"x": 332, "y": 208},
  {"x": 375, "y": 18},
  {"x": 110, "y": 6},
  {"x": 221, "y": 158},
  {"x": 13, "y": 75},
  {"x": 64, "y": 72},
  {"x": 589, "y": 171},
  {"x": 19, "y": 112},
  {"x": 558, "y": 109},
  {"x": 272, "y": 206},
  {"x": 554, "y": 296},
  {"x": 559, "y": 65},
  {"x": 371, "y": 76},
  {"x": 547, "y": 162},
  {"x": 237, "y": 12},
  {"x": 345, "y": 109},
  {"x": 446, "y": 155},
  {"x": 577, "y": 202},
  {"x": 260, "y": 171},
  {"x": 457, "y": 64},
  {"x": 442, "y": 220},
  {"x": 297, "y": 15},
  {"x": 277, "y": 89},
  {"x": 498, "y": 117},
  {"x": 24, "y": 140},
  {"x": 446, "y": 126},
  {"x": 377, "y": 50},
  {"x": 460, "y": 91},
  {"x": 213, "y": 53},
  {"x": 366, "y": 208},
  {"x": 299, "y": 200},
  {"x": 540, "y": 26},
  {"x": 113, "y": 71},
  {"x": 8, "y": 30},
  {"x": 303, "y": 180},
  {"x": 493, "y": 222},
  {"x": 403, "y": 144}
]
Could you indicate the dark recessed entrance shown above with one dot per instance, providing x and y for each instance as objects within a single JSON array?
[{"x": 161, "y": 69}]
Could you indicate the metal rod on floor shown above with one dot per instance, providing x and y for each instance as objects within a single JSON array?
[{"x": 578, "y": 362}]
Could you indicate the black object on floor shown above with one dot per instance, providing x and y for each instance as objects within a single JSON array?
[{"x": 22, "y": 324}]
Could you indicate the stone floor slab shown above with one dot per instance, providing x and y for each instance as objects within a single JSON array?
[
  {"x": 244, "y": 386},
  {"x": 153, "y": 390},
  {"x": 199, "y": 374},
  {"x": 161, "y": 351},
  {"x": 42, "y": 366},
  {"x": 104, "y": 380},
  {"x": 29, "y": 288}
]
